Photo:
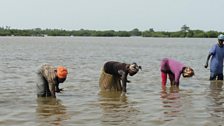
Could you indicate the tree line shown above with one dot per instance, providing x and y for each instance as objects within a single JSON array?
[{"x": 184, "y": 31}]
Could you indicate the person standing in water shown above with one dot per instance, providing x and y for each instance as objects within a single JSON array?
[
  {"x": 174, "y": 69},
  {"x": 48, "y": 79},
  {"x": 216, "y": 64},
  {"x": 114, "y": 75}
]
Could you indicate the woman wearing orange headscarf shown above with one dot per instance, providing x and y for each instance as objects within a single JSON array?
[{"x": 48, "y": 79}]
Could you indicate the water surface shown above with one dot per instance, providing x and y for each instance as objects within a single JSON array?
[{"x": 198, "y": 102}]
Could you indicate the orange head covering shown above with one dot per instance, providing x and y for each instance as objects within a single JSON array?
[{"x": 62, "y": 72}]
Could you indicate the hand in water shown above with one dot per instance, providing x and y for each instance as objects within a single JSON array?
[
  {"x": 123, "y": 93},
  {"x": 128, "y": 81},
  {"x": 59, "y": 90}
]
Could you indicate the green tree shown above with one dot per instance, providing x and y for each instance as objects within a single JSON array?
[
  {"x": 151, "y": 30},
  {"x": 135, "y": 32},
  {"x": 185, "y": 28}
]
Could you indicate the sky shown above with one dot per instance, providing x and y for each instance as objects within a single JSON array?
[{"x": 161, "y": 15}]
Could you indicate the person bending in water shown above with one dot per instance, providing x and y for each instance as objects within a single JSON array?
[
  {"x": 174, "y": 69},
  {"x": 114, "y": 73},
  {"x": 48, "y": 79},
  {"x": 216, "y": 65}
]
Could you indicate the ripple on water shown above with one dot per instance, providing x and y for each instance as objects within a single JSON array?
[{"x": 198, "y": 102}]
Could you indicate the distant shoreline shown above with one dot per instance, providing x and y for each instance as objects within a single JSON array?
[{"x": 183, "y": 33}]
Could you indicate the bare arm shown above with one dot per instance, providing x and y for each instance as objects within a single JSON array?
[
  {"x": 52, "y": 89},
  {"x": 57, "y": 89},
  {"x": 123, "y": 80},
  {"x": 206, "y": 64}
]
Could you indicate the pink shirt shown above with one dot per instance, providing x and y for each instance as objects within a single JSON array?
[{"x": 175, "y": 67}]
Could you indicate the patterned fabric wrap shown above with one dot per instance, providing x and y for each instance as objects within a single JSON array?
[
  {"x": 109, "y": 82},
  {"x": 49, "y": 73}
]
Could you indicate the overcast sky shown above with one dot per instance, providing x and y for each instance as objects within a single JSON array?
[{"x": 161, "y": 15}]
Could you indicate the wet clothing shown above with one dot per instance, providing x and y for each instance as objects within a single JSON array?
[
  {"x": 119, "y": 71},
  {"x": 173, "y": 68},
  {"x": 47, "y": 82},
  {"x": 164, "y": 77},
  {"x": 216, "y": 65},
  {"x": 109, "y": 82},
  {"x": 113, "y": 68},
  {"x": 213, "y": 76}
]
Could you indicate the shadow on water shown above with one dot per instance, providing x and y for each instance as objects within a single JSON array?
[
  {"x": 216, "y": 106},
  {"x": 50, "y": 111},
  {"x": 116, "y": 109},
  {"x": 172, "y": 104}
]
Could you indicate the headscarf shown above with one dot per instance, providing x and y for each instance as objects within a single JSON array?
[
  {"x": 62, "y": 72},
  {"x": 188, "y": 72},
  {"x": 134, "y": 67}
]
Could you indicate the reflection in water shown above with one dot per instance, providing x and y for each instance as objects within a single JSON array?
[
  {"x": 116, "y": 110},
  {"x": 50, "y": 111},
  {"x": 216, "y": 108},
  {"x": 171, "y": 103},
  {"x": 18, "y": 66}
]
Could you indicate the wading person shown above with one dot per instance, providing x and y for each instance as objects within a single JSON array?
[
  {"x": 216, "y": 63},
  {"x": 48, "y": 79},
  {"x": 114, "y": 75},
  {"x": 174, "y": 69}
]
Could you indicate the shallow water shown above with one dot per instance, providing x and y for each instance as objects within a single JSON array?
[{"x": 198, "y": 102}]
